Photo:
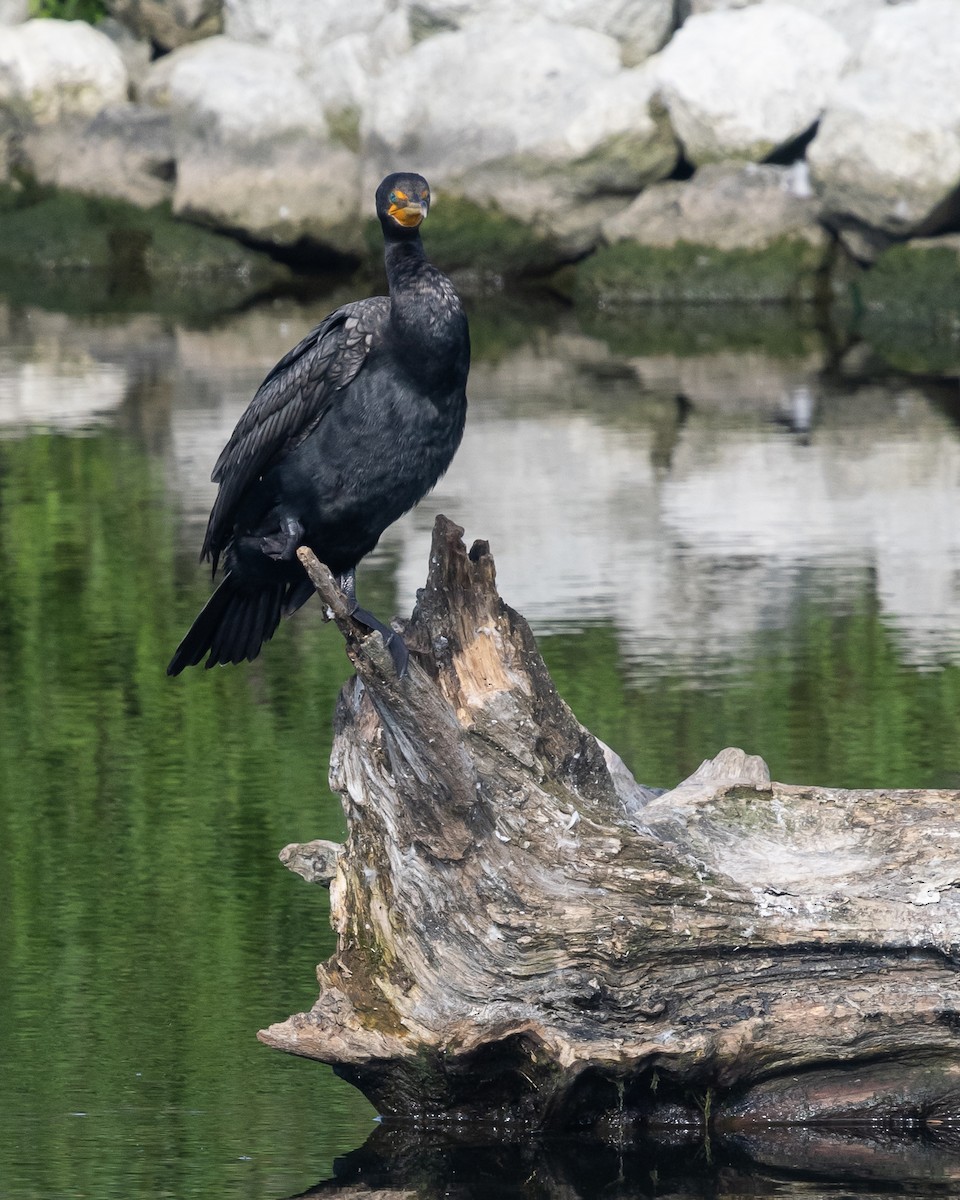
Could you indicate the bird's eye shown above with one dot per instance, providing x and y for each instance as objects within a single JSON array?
[{"x": 392, "y": 197}]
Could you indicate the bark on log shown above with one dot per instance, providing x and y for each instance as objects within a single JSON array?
[{"x": 526, "y": 934}]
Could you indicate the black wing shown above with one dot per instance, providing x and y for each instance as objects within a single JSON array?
[{"x": 288, "y": 404}]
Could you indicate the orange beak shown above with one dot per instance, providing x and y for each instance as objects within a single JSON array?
[{"x": 409, "y": 214}]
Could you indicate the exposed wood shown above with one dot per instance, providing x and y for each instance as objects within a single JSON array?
[
  {"x": 527, "y": 934},
  {"x": 315, "y": 861}
]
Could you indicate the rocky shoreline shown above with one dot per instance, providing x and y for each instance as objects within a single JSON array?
[{"x": 760, "y": 152}]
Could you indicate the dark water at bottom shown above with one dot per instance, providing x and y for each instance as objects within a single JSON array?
[
  {"x": 715, "y": 547},
  {"x": 777, "y": 1162}
]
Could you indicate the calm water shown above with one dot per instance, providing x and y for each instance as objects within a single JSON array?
[{"x": 729, "y": 536}]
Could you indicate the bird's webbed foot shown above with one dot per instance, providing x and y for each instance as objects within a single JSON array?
[
  {"x": 392, "y": 640},
  {"x": 283, "y": 544}
]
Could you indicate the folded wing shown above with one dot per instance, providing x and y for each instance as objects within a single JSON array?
[{"x": 290, "y": 402}]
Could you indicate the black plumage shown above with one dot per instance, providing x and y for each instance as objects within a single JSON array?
[{"x": 349, "y": 430}]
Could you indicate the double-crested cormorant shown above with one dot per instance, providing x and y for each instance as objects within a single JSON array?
[{"x": 347, "y": 432}]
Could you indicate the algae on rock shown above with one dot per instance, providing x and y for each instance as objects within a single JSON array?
[
  {"x": 686, "y": 273},
  {"x": 78, "y": 252}
]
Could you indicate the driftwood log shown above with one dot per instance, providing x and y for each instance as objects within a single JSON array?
[{"x": 528, "y": 936}]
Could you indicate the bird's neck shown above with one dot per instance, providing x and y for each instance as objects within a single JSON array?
[
  {"x": 405, "y": 260},
  {"x": 425, "y": 311}
]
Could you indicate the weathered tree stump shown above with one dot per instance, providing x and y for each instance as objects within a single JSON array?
[{"x": 526, "y": 934}]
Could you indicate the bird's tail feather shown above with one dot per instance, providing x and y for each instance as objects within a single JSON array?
[{"x": 232, "y": 626}]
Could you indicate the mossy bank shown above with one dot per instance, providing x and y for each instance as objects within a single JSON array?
[
  {"x": 687, "y": 273},
  {"x": 910, "y": 305},
  {"x": 81, "y": 254},
  {"x": 76, "y": 253}
]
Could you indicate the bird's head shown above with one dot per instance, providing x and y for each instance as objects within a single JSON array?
[{"x": 403, "y": 200}]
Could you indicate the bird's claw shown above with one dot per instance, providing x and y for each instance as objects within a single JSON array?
[
  {"x": 283, "y": 544},
  {"x": 274, "y": 548},
  {"x": 399, "y": 653},
  {"x": 391, "y": 639}
]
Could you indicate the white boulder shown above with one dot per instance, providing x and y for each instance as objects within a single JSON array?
[
  {"x": 623, "y": 106},
  {"x": 541, "y": 115},
  {"x": 343, "y": 73},
  {"x": 339, "y": 50},
  {"x": 887, "y": 153},
  {"x": 252, "y": 145},
  {"x": 639, "y": 26},
  {"x": 746, "y": 82},
  {"x": 137, "y": 53},
  {"x": 730, "y": 206},
  {"x": 125, "y": 152},
  {"x": 489, "y": 91},
  {"x": 154, "y": 88},
  {"x": 533, "y": 94},
  {"x": 51, "y": 69},
  {"x": 302, "y": 28},
  {"x": 12, "y": 12},
  {"x": 850, "y": 18},
  {"x": 226, "y": 89}
]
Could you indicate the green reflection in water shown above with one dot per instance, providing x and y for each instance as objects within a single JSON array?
[
  {"x": 826, "y": 701},
  {"x": 148, "y": 930}
]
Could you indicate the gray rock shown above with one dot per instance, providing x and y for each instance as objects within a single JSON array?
[
  {"x": 343, "y": 73},
  {"x": 743, "y": 83},
  {"x": 51, "y": 69},
  {"x": 226, "y": 88},
  {"x": 13, "y": 12},
  {"x": 850, "y": 18},
  {"x": 490, "y": 91},
  {"x": 301, "y": 27},
  {"x": 253, "y": 150},
  {"x": 619, "y": 142},
  {"x": 726, "y": 205},
  {"x": 338, "y": 50},
  {"x": 621, "y": 130},
  {"x": 154, "y": 87},
  {"x": 887, "y": 153},
  {"x": 733, "y": 233},
  {"x": 640, "y": 27},
  {"x": 125, "y": 152},
  {"x": 542, "y": 113},
  {"x": 137, "y": 53},
  {"x": 169, "y": 23}
]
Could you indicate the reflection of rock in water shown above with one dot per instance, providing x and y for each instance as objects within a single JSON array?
[
  {"x": 49, "y": 379},
  {"x": 691, "y": 559},
  {"x": 945, "y": 396},
  {"x": 474, "y": 1165},
  {"x": 690, "y": 525},
  {"x": 798, "y": 409},
  {"x": 65, "y": 375},
  {"x": 64, "y": 395}
]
